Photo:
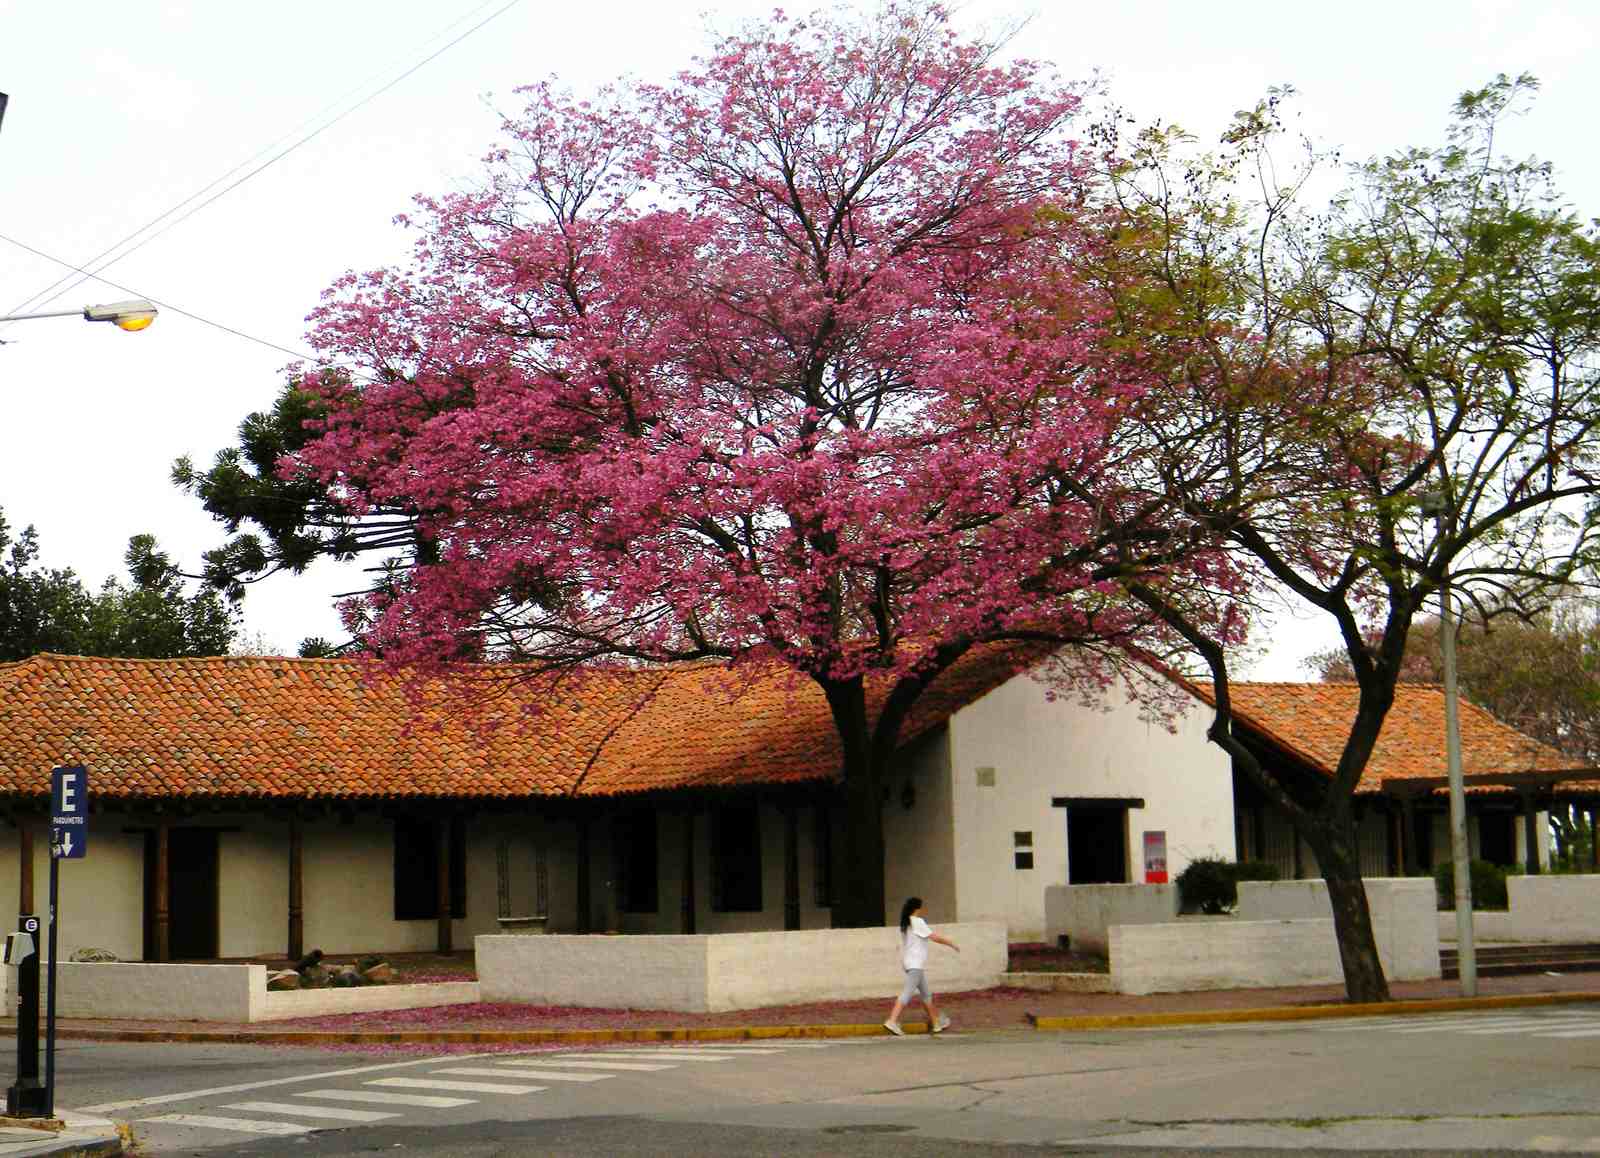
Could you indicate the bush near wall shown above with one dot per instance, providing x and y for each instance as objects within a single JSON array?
[
  {"x": 1488, "y": 884},
  {"x": 1210, "y": 884}
]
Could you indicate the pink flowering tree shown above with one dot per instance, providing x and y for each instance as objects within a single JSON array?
[{"x": 783, "y": 363}]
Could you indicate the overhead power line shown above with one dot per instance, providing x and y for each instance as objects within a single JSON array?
[
  {"x": 166, "y": 305},
  {"x": 63, "y": 285}
]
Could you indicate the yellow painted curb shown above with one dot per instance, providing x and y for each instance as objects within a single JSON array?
[
  {"x": 479, "y": 1036},
  {"x": 1306, "y": 1012}
]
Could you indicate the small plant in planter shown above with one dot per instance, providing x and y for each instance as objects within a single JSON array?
[
  {"x": 1211, "y": 884},
  {"x": 1207, "y": 886}
]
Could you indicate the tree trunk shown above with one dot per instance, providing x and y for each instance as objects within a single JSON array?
[
  {"x": 858, "y": 896},
  {"x": 1334, "y": 842}
]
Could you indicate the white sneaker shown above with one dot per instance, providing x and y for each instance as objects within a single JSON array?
[
  {"x": 894, "y": 1028},
  {"x": 942, "y": 1024}
]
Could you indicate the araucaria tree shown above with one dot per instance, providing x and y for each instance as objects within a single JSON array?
[
  {"x": 782, "y": 363},
  {"x": 1365, "y": 404}
]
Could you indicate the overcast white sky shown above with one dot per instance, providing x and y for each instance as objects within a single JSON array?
[{"x": 119, "y": 112}]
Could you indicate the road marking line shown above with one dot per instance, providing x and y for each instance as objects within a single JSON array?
[
  {"x": 642, "y": 1067},
  {"x": 1499, "y": 1025},
  {"x": 536, "y": 1075},
  {"x": 677, "y": 1055},
  {"x": 187, "y": 1095},
  {"x": 464, "y": 1087},
  {"x": 1524, "y": 1026},
  {"x": 241, "y": 1125},
  {"x": 337, "y": 1112},
  {"x": 376, "y": 1097},
  {"x": 1590, "y": 1032}
]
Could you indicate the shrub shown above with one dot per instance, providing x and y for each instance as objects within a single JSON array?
[
  {"x": 1256, "y": 870},
  {"x": 1208, "y": 885},
  {"x": 1488, "y": 884}
]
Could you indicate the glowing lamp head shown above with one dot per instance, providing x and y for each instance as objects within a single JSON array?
[{"x": 132, "y": 316}]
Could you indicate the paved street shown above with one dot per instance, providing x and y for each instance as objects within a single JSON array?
[{"x": 1517, "y": 1080}]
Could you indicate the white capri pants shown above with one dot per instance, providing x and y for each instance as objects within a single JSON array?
[{"x": 916, "y": 982}]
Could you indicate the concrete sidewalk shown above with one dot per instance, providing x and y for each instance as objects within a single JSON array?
[
  {"x": 83, "y": 1134},
  {"x": 474, "y": 1026}
]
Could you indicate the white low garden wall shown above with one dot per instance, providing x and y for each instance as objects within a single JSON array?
[
  {"x": 236, "y": 993},
  {"x": 289, "y": 1003},
  {"x": 1223, "y": 953},
  {"x": 725, "y": 971},
  {"x": 1403, "y": 910},
  {"x": 1084, "y": 913},
  {"x": 1554, "y": 907}
]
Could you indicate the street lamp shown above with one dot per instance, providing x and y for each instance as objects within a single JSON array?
[
  {"x": 1437, "y": 504},
  {"x": 130, "y": 315}
]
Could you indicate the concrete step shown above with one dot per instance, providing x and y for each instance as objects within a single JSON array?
[{"x": 1452, "y": 970}]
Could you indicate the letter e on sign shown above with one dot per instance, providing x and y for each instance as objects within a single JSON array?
[{"x": 69, "y": 811}]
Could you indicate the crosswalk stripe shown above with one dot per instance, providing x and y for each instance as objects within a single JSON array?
[
  {"x": 543, "y": 1075},
  {"x": 676, "y": 1055},
  {"x": 377, "y": 1097},
  {"x": 241, "y": 1125},
  {"x": 1592, "y": 1031},
  {"x": 464, "y": 1087},
  {"x": 565, "y": 1063},
  {"x": 1482, "y": 1025},
  {"x": 336, "y": 1112},
  {"x": 1525, "y": 1026}
]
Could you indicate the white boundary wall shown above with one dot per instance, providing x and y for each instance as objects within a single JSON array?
[
  {"x": 280, "y": 1005},
  {"x": 1559, "y": 907},
  {"x": 1084, "y": 913},
  {"x": 1404, "y": 917},
  {"x": 1222, "y": 953},
  {"x": 156, "y": 992},
  {"x": 726, "y": 971}
]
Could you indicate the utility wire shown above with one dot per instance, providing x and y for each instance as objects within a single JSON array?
[
  {"x": 41, "y": 298},
  {"x": 157, "y": 301}
]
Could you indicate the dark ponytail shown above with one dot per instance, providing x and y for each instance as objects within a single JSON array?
[{"x": 912, "y": 905}]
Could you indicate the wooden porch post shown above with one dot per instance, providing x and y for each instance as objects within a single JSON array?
[
  {"x": 442, "y": 884},
  {"x": 584, "y": 917},
  {"x": 1594, "y": 837},
  {"x": 24, "y": 866},
  {"x": 686, "y": 903},
  {"x": 1258, "y": 832},
  {"x": 297, "y": 918},
  {"x": 1396, "y": 838},
  {"x": 791, "y": 866},
  {"x": 1408, "y": 827},
  {"x": 163, "y": 917},
  {"x": 1530, "y": 834}
]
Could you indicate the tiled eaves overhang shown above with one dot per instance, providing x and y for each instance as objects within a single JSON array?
[
  {"x": 1308, "y": 724},
  {"x": 258, "y": 730}
]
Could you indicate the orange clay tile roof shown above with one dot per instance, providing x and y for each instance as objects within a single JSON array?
[
  {"x": 245, "y": 727},
  {"x": 1311, "y": 721}
]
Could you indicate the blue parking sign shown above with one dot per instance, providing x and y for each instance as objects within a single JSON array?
[{"x": 69, "y": 812}]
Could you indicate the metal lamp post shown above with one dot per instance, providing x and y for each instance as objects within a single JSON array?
[
  {"x": 130, "y": 315},
  {"x": 1437, "y": 504}
]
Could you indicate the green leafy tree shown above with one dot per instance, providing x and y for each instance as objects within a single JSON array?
[
  {"x": 150, "y": 616},
  {"x": 1426, "y": 343}
]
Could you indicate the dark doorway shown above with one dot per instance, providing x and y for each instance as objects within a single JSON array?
[
  {"x": 1497, "y": 838},
  {"x": 191, "y": 894},
  {"x": 1097, "y": 845}
]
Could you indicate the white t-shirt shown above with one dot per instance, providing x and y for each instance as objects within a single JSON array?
[{"x": 916, "y": 944}]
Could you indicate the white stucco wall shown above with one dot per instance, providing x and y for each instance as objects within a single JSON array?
[
  {"x": 1223, "y": 953},
  {"x": 161, "y": 992},
  {"x": 1402, "y": 910},
  {"x": 1559, "y": 907},
  {"x": 1041, "y": 748},
  {"x": 101, "y": 896},
  {"x": 727, "y": 971},
  {"x": 919, "y": 857},
  {"x": 1085, "y": 913}
]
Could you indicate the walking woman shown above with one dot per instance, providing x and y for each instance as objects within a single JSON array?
[{"x": 914, "y": 938}]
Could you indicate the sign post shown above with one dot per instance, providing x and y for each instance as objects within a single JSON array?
[
  {"x": 25, "y": 1098},
  {"x": 69, "y": 840}
]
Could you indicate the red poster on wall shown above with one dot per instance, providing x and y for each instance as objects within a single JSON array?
[{"x": 1155, "y": 858}]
